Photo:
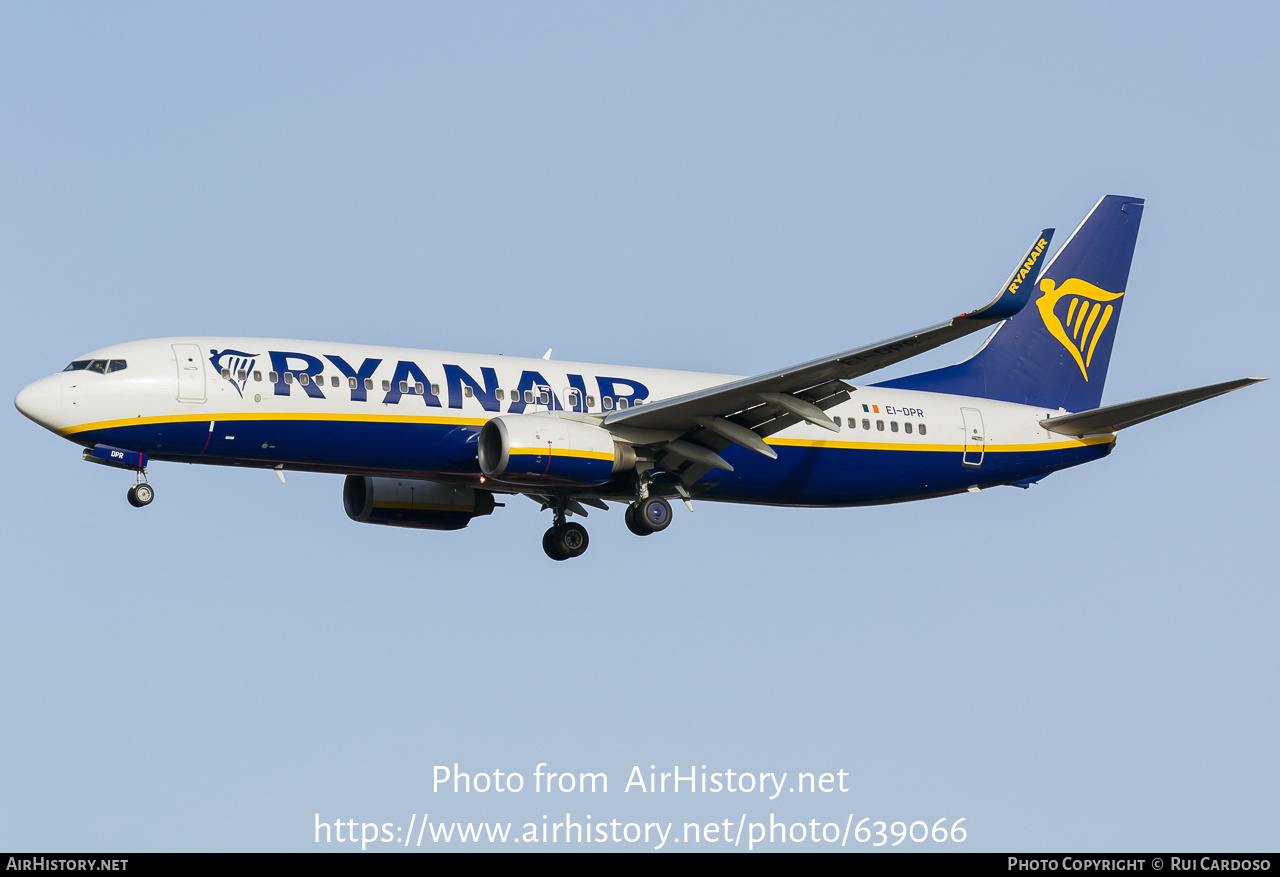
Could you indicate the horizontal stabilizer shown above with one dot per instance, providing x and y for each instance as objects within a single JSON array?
[{"x": 1111, "y": 418}]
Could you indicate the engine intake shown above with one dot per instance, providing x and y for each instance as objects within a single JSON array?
[
  {"x": 424, "y": 505},
  {"x": 534, "y": 448}
]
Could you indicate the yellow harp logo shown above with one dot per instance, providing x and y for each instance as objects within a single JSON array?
[{"x": 1087, "y": 316}]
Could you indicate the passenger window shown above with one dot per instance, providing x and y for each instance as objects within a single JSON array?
[
  {"x": 880, "y": 425},
  {"x": 368, "y": 383},
  {"x": 304, "y": 379},
  {"x": 118, "y": 365},
  {"x": 275, "y": 378},
  {"x": 351, "y": 383},
  {"x": 866, "y": 424},
  {"x": 608, "y": 403},
  {"x": 226, "y": 374},
  {"x": 922, "y": 429},
  {"x": 404, "y": 386},
  {"x": 466, "y": 391},
  {"x": 893, "y": 426},
  {"x": 419, "y": 390},
  {"x": 837, "y": 420},
  {"x": 907, "y": 428},
  {"x": 257, "y": 376},
  {"x": 622, "y": 404},
  {"x": 528, "y": 397},
  {"x": 591, "y": 400},
  {"x": 386, "y": 387},
  {"x": 435, "y": 390},
  {"x": 501, "y": 395},
  {"x": 333, "y": 381},
  {"x": 544, "y": 398},
  {"x": 288, "y": 377}
]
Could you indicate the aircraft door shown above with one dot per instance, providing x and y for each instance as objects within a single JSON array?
[
  {"x": 974, "y": 437},
  {"x": 190, "y": 372}
]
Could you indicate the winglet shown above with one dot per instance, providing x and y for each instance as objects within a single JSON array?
[{"x": 1016, "y": 291}]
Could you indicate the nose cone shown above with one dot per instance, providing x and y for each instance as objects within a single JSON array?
[{"x": 42, "y": 402}]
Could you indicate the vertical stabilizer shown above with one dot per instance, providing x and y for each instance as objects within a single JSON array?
[{"x": 1054, "y": 353}]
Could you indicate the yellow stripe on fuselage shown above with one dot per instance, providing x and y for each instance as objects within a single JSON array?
[
  {"x": 232, "y": 418},
  {"x": 991, "y": 448}
]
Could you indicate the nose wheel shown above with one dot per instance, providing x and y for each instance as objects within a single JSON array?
[{"x": 141, "y": 493}]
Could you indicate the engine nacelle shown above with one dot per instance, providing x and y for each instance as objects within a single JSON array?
[
  {"x": 537, "y": 449},
  {"x": 425, "y": 505}
]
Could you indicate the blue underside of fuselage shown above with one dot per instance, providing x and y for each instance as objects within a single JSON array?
[{"x": 801, "y": 476}]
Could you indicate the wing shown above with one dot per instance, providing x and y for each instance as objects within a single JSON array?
[{"x": 687, "y": 431}]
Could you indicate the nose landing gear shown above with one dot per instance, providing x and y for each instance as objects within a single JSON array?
[{"x": 141, "y": 494}]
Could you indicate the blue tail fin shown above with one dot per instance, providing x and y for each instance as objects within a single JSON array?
[{"x": 1054, "y": 354}]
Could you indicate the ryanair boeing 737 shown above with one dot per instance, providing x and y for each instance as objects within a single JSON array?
[{"x": 428, "y": 439}]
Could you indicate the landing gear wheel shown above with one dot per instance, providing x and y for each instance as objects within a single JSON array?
[
  {"x": 141, "y": 494},
  {"x": 573, "y": 539},
  {"x": 651, "y": 515},
  {"x": 550, "y": 547},
  {"x": 564, "y": 541},
  {"x": 632, "y": 524}
]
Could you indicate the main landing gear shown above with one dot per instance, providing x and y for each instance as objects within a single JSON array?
[
  {"x": 565, "y": 540},
  {"x": 649, "y": 515}
]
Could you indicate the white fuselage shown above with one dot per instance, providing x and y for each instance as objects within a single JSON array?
[{"x": 392, "y": 411}]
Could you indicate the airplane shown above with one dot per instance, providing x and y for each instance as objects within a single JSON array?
[{"x": 431, "y": 440}]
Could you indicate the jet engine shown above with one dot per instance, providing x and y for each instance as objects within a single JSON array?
[
  {"x": 534, "y": 448},
  {"x": 424, "y": 505}
]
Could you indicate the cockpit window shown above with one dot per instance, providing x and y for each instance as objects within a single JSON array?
[{"x": 100, "y": 366}]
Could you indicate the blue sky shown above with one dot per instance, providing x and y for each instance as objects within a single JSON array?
[{"x": 719, "y": 187}]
